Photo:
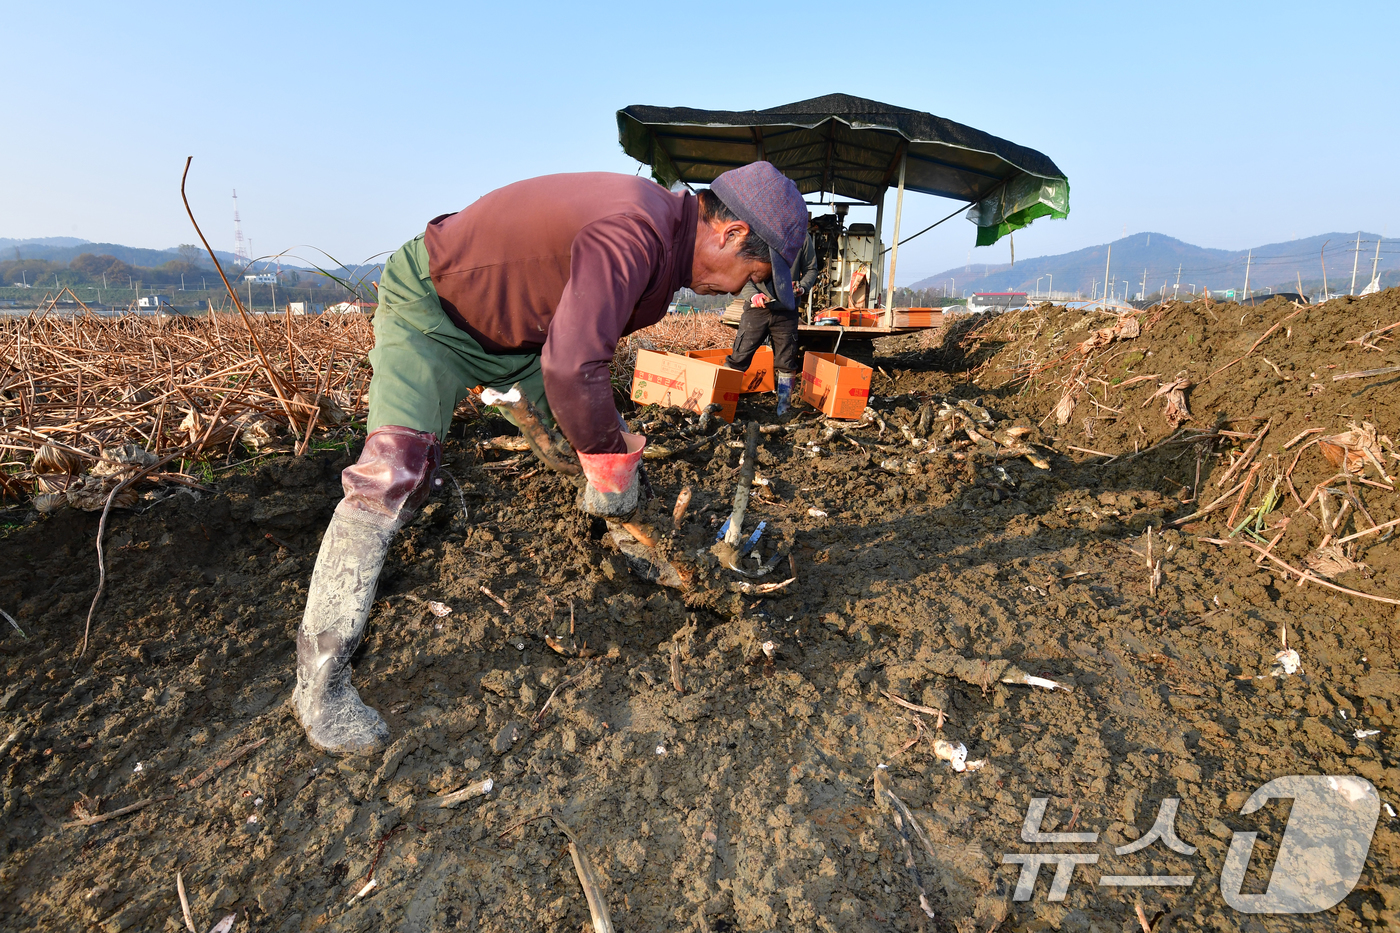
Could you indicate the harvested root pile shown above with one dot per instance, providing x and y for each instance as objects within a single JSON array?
[{"x": 1273, "y": 423}]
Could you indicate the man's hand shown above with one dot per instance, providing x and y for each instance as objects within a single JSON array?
[
  {"x": 612, "y": 488},
  {"x": 758, "y": 300},
  {"x": 797, "y": 290}
]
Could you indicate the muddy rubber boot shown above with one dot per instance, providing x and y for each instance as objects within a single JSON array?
[
  {"x": 342, "y": 590},
  {"x": 382, "y": 491},
  {"x": 784, "y": 382}
]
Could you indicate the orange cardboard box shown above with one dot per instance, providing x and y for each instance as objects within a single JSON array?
[
  {"x": 757, "y": 378},
  {"x": 835, "y": 384},
  {"x": 673, "y": 379}
]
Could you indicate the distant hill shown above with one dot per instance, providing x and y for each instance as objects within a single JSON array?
[
  {"x": 51, "y": 251},
  {"x": 1276, "y": 265},
  {"x": 65, "y": 249},
  {"x": 6, "y": 242}
]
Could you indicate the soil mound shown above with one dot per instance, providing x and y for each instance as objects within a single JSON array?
[{"x": 713, "y": 784}]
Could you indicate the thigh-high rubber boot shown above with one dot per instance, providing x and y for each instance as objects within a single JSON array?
[{"x": 383, "y": 490}]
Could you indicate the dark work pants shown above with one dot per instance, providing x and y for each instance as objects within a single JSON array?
[{"x": 754, "y": 326}]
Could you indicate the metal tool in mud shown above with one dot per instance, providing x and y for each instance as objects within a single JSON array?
[
  {"x": 632, "y": 535},
  {"x": 730, "y": 548}
]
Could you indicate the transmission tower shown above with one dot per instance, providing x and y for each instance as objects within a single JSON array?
[{"x": 240, "y": 250}]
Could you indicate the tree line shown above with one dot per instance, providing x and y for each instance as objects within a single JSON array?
[
  {"x": 104, "y": 271},
  {"x": 923, "y": 298}
]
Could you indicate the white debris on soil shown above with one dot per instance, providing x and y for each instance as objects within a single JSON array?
[
  {"x": 1033, "y": 681},
  {"x": 815, "y": 513},
  {"x": 224, "y": 925},
  {"x": 1353, "y": 789},
  {"x": 1286, "y": 662},
  {"x": 441, "y": 610},
  {"x": 1366, "y": 733},
  {"x": 956, "y": 755}
]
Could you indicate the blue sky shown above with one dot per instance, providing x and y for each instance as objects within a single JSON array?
[{"x": 349, "y": 125}]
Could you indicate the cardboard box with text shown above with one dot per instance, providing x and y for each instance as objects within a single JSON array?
[{"x": 673, "y": 379}]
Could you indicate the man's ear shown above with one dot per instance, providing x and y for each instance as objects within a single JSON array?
[{"x": 732, "y": 233}]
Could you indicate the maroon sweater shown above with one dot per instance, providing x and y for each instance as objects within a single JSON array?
[{"x": 568, "y": 265}]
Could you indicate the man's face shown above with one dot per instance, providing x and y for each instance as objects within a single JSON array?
[{"x": 718, "y": 269}]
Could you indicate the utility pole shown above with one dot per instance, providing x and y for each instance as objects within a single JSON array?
[
  {"x": 1300, "y": 285},
  {"x": 1375, "y": 263},
  {"x": 1106, "y": 261},
  {"x": 1051, "y": 277},
  {"x": 1177, "y": 286},
  {"x": 1247, "y": 263},
  {"x": 240, "y": 254},
  {"x": 1356, "y": 259},
  {"x": 1143, "y": 295}
]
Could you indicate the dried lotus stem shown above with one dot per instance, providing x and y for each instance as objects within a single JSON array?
[{"x": 588, "y": 880}]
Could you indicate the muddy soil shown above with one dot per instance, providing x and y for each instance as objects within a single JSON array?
[{"x": 746, "y": 800}]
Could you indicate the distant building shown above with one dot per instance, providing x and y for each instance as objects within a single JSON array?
[
  {"x": 996, "y": 301},
  {"x": 153, "y": 302},
  {"x": 364, "y": 307}
]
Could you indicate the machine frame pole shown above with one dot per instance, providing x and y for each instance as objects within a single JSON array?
[
  {"x": 879, "y": 231},
  {"x": 894, "y": 244}
]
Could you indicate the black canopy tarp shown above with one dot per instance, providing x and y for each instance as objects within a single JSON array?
[{"x": 852, "y": 147}]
